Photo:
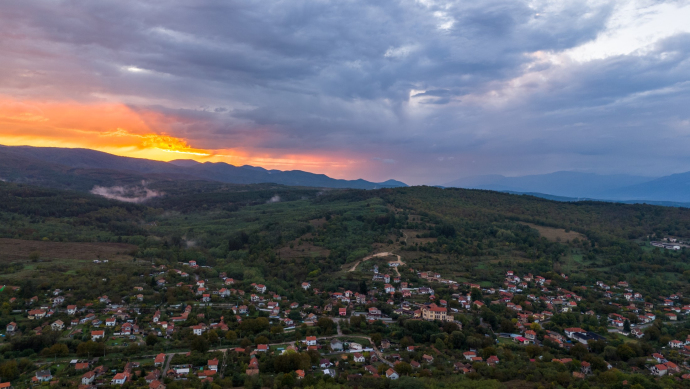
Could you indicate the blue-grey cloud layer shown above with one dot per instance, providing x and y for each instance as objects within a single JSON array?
[{"x": 423, "y": 91}]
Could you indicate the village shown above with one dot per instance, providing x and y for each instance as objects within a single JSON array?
[{"x": 338, "y": 336}]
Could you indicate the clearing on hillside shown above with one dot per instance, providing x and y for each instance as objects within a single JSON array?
[
  {"x": 556, "y": 234},
  {"x": 20, "y": 250}
]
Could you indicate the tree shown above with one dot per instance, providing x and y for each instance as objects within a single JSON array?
[
  {"x": 403, "y": 368},
  {"x": 376, "y": 338},
  {"x": 199, "y": 344},
  {"x": 579, "y": 351},
  {"x": 212, "y": 336},
  {"x": 9, "y": 370},
  {"x": 90, "y": 348},
  {"x": 294, "y": 315},
  {"x": 326, "y": 324},
  {"x": 626, "y": 326},
  {"x": 476, "y": 294},
  {"x": 151, "y": 339},
  {"x": 261, "y": 340},
  {"x": 533, "y": 350},
  {"x": 457, "y": 339},
  {"x": 56, "y": 350},
  {"x": 625, "y": 352},
  {"x": 231, "y": 335}
]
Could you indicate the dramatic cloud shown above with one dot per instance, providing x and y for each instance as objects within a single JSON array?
[{"x": 423, "y": 91}]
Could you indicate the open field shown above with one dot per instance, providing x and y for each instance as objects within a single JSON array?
[
  {"x": 19, "y": 250},
  {"x": 556, "y": 234},
  {"x": 302, "y": 247}
]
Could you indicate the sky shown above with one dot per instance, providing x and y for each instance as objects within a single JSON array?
[{"x": 420, "y": 91}]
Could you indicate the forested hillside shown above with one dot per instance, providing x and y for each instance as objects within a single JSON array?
[{"x": 457, "y": 248}]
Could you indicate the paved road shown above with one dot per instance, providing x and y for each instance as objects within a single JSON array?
[{"x": 379, "y": 354}]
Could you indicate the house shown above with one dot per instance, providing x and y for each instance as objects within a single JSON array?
[
  {"x": 428, "y": 358},
  {"x": 81, "y": 366},
  {"x": 99, "y": 334},
  {"x": 492, "y": 360},
  {"x": 300, "y": 374},
  {"x": 88, "y": 377},
  {"x": 469, "y": 354},
  {"x": 325, "y": 363},
  {"x": 433, "y": 312},
  {"x": 43, "y": 376},
  {"x": 675, "y": 344},
  {"x": 392, "y": 374},
  {"x": 521, "y": 340},
  {"x": 585, "y": 367},
  {"x": 119, "y": 379},
  {"x": 336, "y": 345},
  {"x": 199, "y": 329},
  {"x": 342, "y": 311},
  {"x": 659, "y": 370},
  {"x": 57, "y": 325},
  {"x": 159, "y": 360},
  {"x": 373, "y": 311},
  {"x": 359, "y": 358},
  {"x": 155, "y": 384},
  {"x": 262, "y": 348},
  {"x": 354, "y": 346},
  {"x": 306, "y": 285},
  {"x": 36, "y": 314},
  {"x": 11, "y": 327},
  {"x": 311, "y": 341},
  {"x": 672, "y": 367},
  {"x": 71, "y": 309},
  {"x": 213, "y": 364},
  {"x": 110, "y": 322}
]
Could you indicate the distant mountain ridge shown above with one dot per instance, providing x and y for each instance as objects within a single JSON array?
[
  {"x": 81, "y": 168},
  {"x": 672, "y": 189}
]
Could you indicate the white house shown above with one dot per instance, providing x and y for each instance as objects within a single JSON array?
[
  {"x": 95, "y": 335},
  {"x": 392, "y": 374},
  {"x": 119, "y": 379}
]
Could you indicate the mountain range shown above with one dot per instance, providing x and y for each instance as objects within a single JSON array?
[
  {"x": 82, "y": 169},
  {"x": 673, "y": 188}
]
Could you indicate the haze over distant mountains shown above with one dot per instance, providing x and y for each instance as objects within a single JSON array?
[
  {"x": 576, "y": 185},
  {"x": 82, "y": 169}
]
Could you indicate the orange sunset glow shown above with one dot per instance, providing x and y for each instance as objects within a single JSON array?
[{"x": 117, "y": 129}]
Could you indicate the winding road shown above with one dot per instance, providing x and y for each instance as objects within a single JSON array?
[{"x": 378, "y": 255}]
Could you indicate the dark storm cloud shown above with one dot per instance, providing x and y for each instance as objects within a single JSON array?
[{"x": 430, "y": 85}]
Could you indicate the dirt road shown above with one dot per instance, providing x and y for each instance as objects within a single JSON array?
[{"x": 384, "y": 254}]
